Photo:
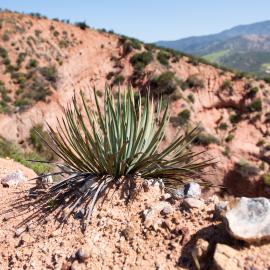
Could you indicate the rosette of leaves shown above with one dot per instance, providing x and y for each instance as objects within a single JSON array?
[{"x": 102, "y": 149}]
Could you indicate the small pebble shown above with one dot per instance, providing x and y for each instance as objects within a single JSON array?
[
  {"x": 19, "y": 231},
  {"x": 83, "y": 253}
]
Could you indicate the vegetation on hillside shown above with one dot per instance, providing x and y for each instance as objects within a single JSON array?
[
  {"x": 13, "y": 151},
  {"x": 34, "y": 84}
]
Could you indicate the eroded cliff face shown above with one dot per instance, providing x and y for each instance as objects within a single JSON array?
[{"x": 58, "y": 60}]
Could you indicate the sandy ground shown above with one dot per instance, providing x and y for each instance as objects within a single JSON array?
[{"x": 121, "y": 236}]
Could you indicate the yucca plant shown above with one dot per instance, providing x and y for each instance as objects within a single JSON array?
[{"x": 103, "y": 148}]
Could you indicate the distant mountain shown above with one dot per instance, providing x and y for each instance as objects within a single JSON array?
[{"x": 244, "y": 47}]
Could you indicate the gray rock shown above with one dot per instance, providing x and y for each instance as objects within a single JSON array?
[
  {"x": 13, "y": 179},
  {"x": 166, "y": 210},
  {"x": 220, "y": 209},
  {"x": 43, "y": 182},
  {"x": 190, "y": 190},
  {"x": 20, "y": 231},
  {"x": 193, "y": 203},
  {"x": 155, "y": 183},
  {"x": 151, "y": 214},
  {"x": 249, "y": 219}
]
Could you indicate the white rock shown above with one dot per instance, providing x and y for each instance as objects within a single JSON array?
[
  {"x": 83, "y": 253},
  {"x": 13, "y": 179},
  {"x": 193, "y": 203},
  {"x": 44, "y": 182},
  {"x": 249, "y": 219},
  {"x": 151, "y": 214},
  {"x": 190, "y": 190}
]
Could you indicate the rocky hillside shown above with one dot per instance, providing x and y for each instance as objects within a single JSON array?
[
  {"x": 43, "y": 62},
  {"x": 244, "y": 47}
]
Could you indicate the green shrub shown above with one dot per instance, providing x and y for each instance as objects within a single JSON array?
[
  {"x": 33, "y": 63},
  {"x": 37, "y": 15},
  {"x": 205, "y": 139},
  {"x": 19, "y": 78},
  {"x": 255, "y": 106},
  {"x": 223, "y": 126},
  {"x": 36, "y": 139},
  {"x": 163, "y": 58},
  {"x": 56, "y": 33},
  {"x": 175, "y": 59},
  {"x": 227, "y": 85},
  {"x": 184, "y": 116},
  {"x": 19, "y": 91},
  {"x": 99, "y": 93},
  {"x": 82, "y": 25},
  {"x": 39, "y": 90},
  {"x": 21, "y": 102},
  {"x": 135, "y": 43},
  {"x": 183, "y": 84},
  {"x": 235, "y": 118},
  {"x": 140, "y": 60},
  {"x": 49, "y": 73},
  {"x": 191, "y": 98},
  {"x": 6, "y": 61},
  {"x": 267, "y": 147},
  {"x": 246, "y": 169},
  {"x": 267, "y": 79},
  {"x": 229, "y": 138},
  {"x": 150, "y": 46},
  {"x": 176, "y": 95},
  {"x": 261, "y": 142},
  {"x": 163, "y": 84},
  {"x": 21, "y": 57},
  {"x": 127, "y": 48},
  {"x": 194, "y": 82},
  {"x": 267, "y": 117},
  {"x": 37, "y": 32},
  {"x": 5, "y": 37},
  {"x": 119, "y": 79},
  {"x": 129, "y": 44},
  {"x": 118, "y": 142},
  {"x": 266, "y": 179},
  {"x": 3, "y": 52},
  {"x": 239, "y": 75},
  {"x": 194, "y": 61},
  {"x": 5, "y": 99},
  {"x": 252, "y": 92},
  {"x": 9, "y": 68},
  {"x": 110, "y": 75},
  {"x": 9, "y": 149},
  {"x": 4, "y": 107},
  {"x": 4, "y": 93},
  {"x": 227, "y": 151}
]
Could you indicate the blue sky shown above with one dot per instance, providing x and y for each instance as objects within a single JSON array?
[{"x": 151, "y": 20}]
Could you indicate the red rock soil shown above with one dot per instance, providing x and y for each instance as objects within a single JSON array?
[{"x": 119, "y": 237}]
